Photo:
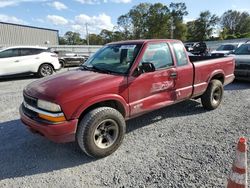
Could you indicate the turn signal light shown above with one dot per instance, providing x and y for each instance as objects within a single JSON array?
[{"x": 52, "y": 119}]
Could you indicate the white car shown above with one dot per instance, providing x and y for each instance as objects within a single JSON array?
[{"x": 28, "y": 59}]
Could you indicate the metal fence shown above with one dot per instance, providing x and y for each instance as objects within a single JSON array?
[
  {"x": 78, "y": 49},
  {"x": 89, "y": 50},
  {"x": 212, "y": 45}
]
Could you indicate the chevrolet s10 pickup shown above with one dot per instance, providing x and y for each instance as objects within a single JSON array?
[{"x": 122, "y": 80}]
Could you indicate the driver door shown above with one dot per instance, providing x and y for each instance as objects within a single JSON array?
[{"x": 153, "y": 90}]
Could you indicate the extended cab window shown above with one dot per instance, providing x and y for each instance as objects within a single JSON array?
[
  {"x": 180, "y": 54},
  {"x": 9, "y": 53},
  {"x": 158, "y": 54}
]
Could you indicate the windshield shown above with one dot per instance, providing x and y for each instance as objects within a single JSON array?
[
  {"x": 226, "y": 48},
  {"x": 116, "y": 58},
  {"x": 244, "y": 49}
]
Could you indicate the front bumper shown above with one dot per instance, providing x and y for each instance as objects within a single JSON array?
[
  {"x": 242, "y": 74},
  {"x": 60, "y": 133}
]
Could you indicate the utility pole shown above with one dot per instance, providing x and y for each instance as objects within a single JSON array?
[
  {"x": 172, "y": 27},
  {"x": 87, "y": 34},
  {"x": 87, "y": 37}
]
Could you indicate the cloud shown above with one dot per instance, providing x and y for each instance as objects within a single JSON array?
[
  {"x": 88, "y": 1},
  {"x": 95, "y": 23},
  {"x": 102, "y": 1},
  {"x": 6, "y": 3},
  {"x": 121, "y": 1},
  {"x": 11, "y": 19},
  {"x": 185, "y": 20},
  {"x": 57, "y": 20},
  {"x": 58, "y": 5},
  {"x": 78, "y": 24}
]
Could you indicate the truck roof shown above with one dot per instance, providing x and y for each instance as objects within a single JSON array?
[{"x": 143, "y": 41}]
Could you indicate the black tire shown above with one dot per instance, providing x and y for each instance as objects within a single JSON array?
[
  {"x": 62, "y": 62},
  {"x": 91, "y": 136},
  {"x": 45, "y": 70},
  {"x": 212, "y": 98}
]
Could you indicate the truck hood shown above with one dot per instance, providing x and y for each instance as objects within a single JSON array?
[
  {"x": 63, "y": 85},
  {"x": 221, "y": 52}
]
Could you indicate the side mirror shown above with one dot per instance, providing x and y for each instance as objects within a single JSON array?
[{"x": 147, "y": 67}]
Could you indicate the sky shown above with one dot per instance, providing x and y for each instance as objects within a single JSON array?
[{"x": 73, "y": 15}]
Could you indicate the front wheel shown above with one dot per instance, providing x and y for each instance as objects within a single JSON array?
[
  {"x": 212, "y": 98},
  {"x": 101, "y": 132},
  {"x": 45, "y": 70}
]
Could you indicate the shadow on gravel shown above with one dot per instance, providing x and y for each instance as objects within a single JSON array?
[
  {"x": 186, "y": 108},
  {"x": 24, "y": 154},
  {"x": 238, "y": 85},
  {"x": 16, "y": 78}
]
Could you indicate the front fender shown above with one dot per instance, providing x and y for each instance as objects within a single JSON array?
[{"x": 97, "y": 99}]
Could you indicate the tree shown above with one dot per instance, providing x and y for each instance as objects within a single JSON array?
[
  {"x": 73, "y": 38},
  {"x": 95, "y": 39},
  {"x": 106, "y": 36},
  {"x": 177, "y": 12},
  {"x": 125, "y": 26},
  {"x": 235, "y": 22},
  {"x": 138, "y": 16},
  {"x": 62, "y": 41},
  {"x": 157, "y": 21},
  {"x": 202, "y": 28}
]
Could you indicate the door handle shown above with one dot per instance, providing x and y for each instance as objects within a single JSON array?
[
  {"x": 37, "y": 57},
  {"x": 16, "y": 61},
  {"x": 173, "y": 75}
]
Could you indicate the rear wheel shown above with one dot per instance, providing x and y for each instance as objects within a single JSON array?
[
  {"x": 212, "y": 98},
  {"x": 45, "y": 70},
  {"x": 62, "y": 62},
  {"x": 101, "y": 132}
]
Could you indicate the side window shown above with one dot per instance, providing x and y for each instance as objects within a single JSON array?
[
  {"x": 30, "y": 51},
  {"x": 180, "y": 54},
  {"x": 9, "y": 53},
  {"x": 26, "y": 51},
  {"x": 158, "y": 54}
]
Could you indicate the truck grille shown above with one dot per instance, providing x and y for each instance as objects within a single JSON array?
[
  {"x": 243, "y": 66},
  {"x": 30, "y": 100}
]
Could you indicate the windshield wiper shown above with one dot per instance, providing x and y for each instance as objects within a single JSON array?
[
  {"x": 98, "y": 69},
  {"x": 85, "y": 67}
]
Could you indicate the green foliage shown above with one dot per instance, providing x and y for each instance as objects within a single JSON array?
[
  {"x": 62, "y": 41},
  {"x": 147, "y": 20},
  {"x": 73, "y": 38},
  {"x": 235, "y": 22},
  {"x": 231, "y": 37},
  {"x": 202, "y": 28}
]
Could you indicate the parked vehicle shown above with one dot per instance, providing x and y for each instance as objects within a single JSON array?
[
  {"x": 69, "y": 59},
  {"x": 197, "y": 48},
  {"x": 224, "y": 49},
  {"x": 121, "y": 81},
  {"x": 242, "y": 62},
  {"x": 28, "y": 59}
]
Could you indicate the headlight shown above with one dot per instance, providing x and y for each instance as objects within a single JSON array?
[{"x": 49, "y": 106}]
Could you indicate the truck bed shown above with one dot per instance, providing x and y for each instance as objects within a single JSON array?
[
  {"x": 197, "y": 59},
  {"x": 206, "y": 67}
]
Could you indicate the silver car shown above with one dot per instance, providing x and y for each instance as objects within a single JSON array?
[{"x": 242, "y": 62}]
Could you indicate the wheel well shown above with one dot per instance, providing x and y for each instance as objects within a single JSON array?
[
  {"x": 219, "y": 77},
  {"x": 61, "y": 61},
  {"x": 109, "y": 103}
]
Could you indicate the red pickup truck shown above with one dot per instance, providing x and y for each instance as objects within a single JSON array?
[{"x": 120, "y": 81}]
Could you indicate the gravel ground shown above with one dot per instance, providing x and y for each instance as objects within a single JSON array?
[{"x": 178, "y": 146}]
